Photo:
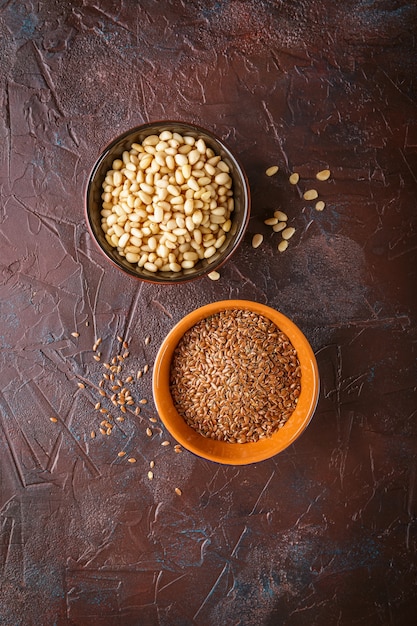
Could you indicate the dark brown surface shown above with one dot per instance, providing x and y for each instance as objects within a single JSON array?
[{"x": 325, "y": 532}]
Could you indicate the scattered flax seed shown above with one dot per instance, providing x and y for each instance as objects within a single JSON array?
[
  {"x": 150, "y": 475},
  {"x": 149, "y": 432},
  {"x": 93, "y": 434},
  {"x": 147, "y": 340},
  {"x": 177, "y": 448},
  {"x": 101, "y": 383},
  {"x": 178, "y": 491},
  {"x": 87, "y": 323},
  {"x": 281, "y": 216},
  {"x": 106, "y": 377},
  {"x": 310, "y": 194},
  {"x": 108, "y": 431},
  {"x": 152, "y": 464},
  {"x": 129, "y": 379},
  {"x": 53, "y": 419},
  {"x": 146, "y": 369},
  {"x": 123, "y": 409},
  {"x": 320, "y": 205},
  {"x": 294, "y": 178},
  {"x": 323, "y": 175},
  {"x": 75, "y": 334},
  {"x": 214, "y": 275},
  {"x": 107, "y": 365},
  {"x": 81, "y": 385},
  {"x": 143, "y": 401},
  {"x": 120, "y": 418},
  {"x": 125, "y": 354},
  {"x": 278, "y": 227},
  {"x": 132, "y": 460},
  {"x": 96, "y": 357},
  {"x": 137, "y": 410},
  {"x": 288, "y": 232},
  {"x": 153, "y": 420},
  {"x": 103, "y": 410},
  {"x": 283, "y": 245},
  {"x": 139, "y": 374},
  {"x": 121, "y": 453},
  {"x": 119, "y": 338},
  {"x": 97, "y": 406},
  {"x": 271, "y": 221},
  {"x": 272, "y": 170},
  {"x": 103, "y": 431},
  {"x": 257, "y": 240},
  {"x": 102, "y": 392},
  {"x": 125, "y": 345},
  {"x": 165, "y": 443}
]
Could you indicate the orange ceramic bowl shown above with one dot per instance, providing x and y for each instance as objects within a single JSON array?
[{"x": 221, "y": 451}]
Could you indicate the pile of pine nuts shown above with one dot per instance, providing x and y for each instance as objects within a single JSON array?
[{"x": 167, "y": 203}]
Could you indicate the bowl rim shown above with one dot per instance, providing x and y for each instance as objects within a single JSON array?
[
  {"x": 224, "y": 452},
  {"x": 194, "y": 128}
]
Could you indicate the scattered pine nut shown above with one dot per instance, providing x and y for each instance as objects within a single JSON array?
[
  {"x": 281, "y": 216},
  {"x": 131, "y": 460},
  {"x": 178, "y": 491},
  {"x": 214, "y": 275},
  {"x": 323, "y": 175},
  {"x": 257, "y": 240},
  {"x": 75, "y": 334},
  {"x": 288, "y": 232},
  {"x": 294, "y": 178},
  {"x": 310, "y": 194},
  {"x": 53, "y": 419},
  {"x": 165, "y": 443},
  {"x": 320, "y": 205},
  {"x": 283, "y": 245},
  {"x": 272, "y": 170},
  {"x": 278, "y": 227},
  {"x": 81, "y": 385},
  {"x": 121, "y": 453},
  {"x": 150, "y": 475},
  {"x": 271, "y": 221}
]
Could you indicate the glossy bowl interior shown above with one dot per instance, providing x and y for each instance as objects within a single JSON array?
[
  {"x": 240, "y": 215},
  {"x": 236, "y": 453}
]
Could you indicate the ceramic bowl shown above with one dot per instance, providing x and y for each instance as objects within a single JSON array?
[
  {"x": 239, "y": 216},
  {"x": 236, "y": 453}
]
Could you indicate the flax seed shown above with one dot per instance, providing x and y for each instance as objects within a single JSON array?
[
  {"x": 149, "y": 432},
  {"x": 178, "y": 491},
  {"x": 81, "y": 385},
  {"x": 53, "y": 419},
  {"x": 75, "y": 334},
  {"x": 131, "y": 460},
  {"x": 150, "y": 475},
  {"x": 121, "y": 453}
]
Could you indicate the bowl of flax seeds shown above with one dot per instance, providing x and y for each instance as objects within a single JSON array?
[{"x": 235, "y": 382}]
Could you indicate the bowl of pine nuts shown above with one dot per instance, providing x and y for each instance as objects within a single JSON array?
[
  {"x": 235, "y": 382},
  {"x": 167, "y": 202}
]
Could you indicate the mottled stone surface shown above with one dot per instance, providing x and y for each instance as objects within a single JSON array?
[{"x": 325, "y": 532}]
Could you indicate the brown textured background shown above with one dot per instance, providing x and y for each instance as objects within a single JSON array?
[{"x": 324, "y": 533}]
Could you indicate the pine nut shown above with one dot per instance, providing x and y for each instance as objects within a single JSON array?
[
  {"x": 272, "y": 170},
  {"x": 294, "y": 178},
  {"x": 323, "y": 175},
  {"x": 283, "y": 245},
  {"x": 310, "y": 194},
  {"x": 320, "y": 205},
  {"x": 288, "y": 233},
  {"x": 257, "y": 240},
  {"x": 281, "y": 216}
]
